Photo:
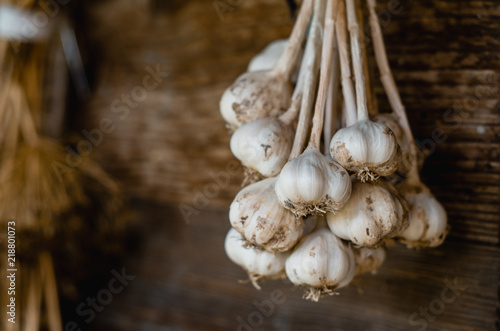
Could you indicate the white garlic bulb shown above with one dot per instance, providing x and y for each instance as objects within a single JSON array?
[
  {"x": 268, "y": 58},
  {"x": 263, "y": 146},
  {"x": 257, "y": 262},
  {"x": 255, "y": 95},
  {"x": 366, "y": 148},
  {"x": 257, "y": 215},
  {"x": 391, "y": 121},
  {"x": 321, "y": 263},
  {"x": 266, "y": 93},
  {"x": 368, "y": 259},
  {"x": 313, "y": 183},
  {"x": 427, "y": 219},
  {"x": 375, "y": 212}
]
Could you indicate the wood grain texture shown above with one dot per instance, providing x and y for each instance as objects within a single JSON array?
[{"x": 171, "y": 145}]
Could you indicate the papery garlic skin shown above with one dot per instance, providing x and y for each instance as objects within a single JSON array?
[
  {"x": 391, "y": 121},
  {"x": 268, "y": 58},
  {"x": 255, "y": 95},
  {"x": 368, "y": 259},
  {"x": 313, "y": 183},
  {"x": 263, "y": 146},
  {"x": 374, "y": 212},
  {"x": 366, "y": 148},
  {"x": 427, "y": 219},
  {"x": 258, "y": 216},
  {"x": 322, "y": 263},
  {"x": 257, "y": 262}
]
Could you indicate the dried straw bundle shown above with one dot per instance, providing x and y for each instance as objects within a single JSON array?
[
  {"x": 52, "y": 207},
  {"x": 30, "y": 190}
]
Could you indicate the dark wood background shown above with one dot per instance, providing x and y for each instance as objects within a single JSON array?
[{"x": 446, "y": 59}]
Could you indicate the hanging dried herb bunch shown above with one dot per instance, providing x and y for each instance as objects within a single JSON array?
[{"x": 49, "y": 205}]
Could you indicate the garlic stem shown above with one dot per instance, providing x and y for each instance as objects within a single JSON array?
[
  {"x": 288, "y": 60},
  {"x": 371, "y": 100},
  {"x": 291, "y": 113},
  {"x": 325, "y": 73},
  {"x": 345, "y": 66},
  {"x": 332, "y": 103},
  {"x": 357, "y": 60},
  {"x": 328, "y": 121},
  {"x": 289, "y": 116},
  {"x": 391, "y": 89},
  {"x": 309, "y": 71}
]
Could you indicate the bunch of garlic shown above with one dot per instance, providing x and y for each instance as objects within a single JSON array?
[{"x": 291, "y": 183}]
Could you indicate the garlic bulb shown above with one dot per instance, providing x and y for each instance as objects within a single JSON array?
[
  {"x": 257, "y": 215},
  {"x": 322, "y": 263},
  {"x": 263, "y": 146},
  {"x": 257, "y": 262},
  {"x": 313, "y": 183},
  {"x": 427, "y": 219},
  {"x": 366, "y": 148},
  {"x": 391, "y": 121},
  {"x": 268, "y": 58},
  {"x": 368, "y": 259},
  {"x": 255, "y": 95},
  {"x": 262, "y": 94},
  {"x": 374, "y": 213}
]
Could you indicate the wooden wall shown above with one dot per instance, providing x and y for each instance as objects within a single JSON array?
[{"x": 445, "y": 56}]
